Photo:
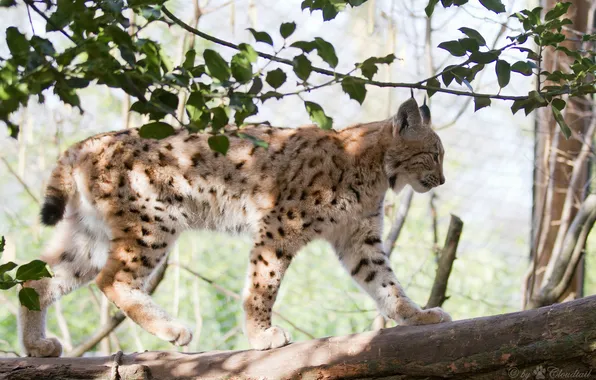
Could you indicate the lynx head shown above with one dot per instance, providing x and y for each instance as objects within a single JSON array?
[{"x": 415, "y": 155}]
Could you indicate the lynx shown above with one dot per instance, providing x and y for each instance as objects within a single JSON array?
[{"x": 119, "y": 202}]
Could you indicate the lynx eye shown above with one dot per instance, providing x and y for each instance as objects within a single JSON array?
[{"x": 436, "y": 157}]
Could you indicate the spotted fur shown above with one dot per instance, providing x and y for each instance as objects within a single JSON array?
[{"x": 120, "y": 202}]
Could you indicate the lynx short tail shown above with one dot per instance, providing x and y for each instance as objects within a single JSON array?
[{"x": 59, "y": 190}]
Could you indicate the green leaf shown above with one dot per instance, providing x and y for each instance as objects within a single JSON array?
[
  {"x": 17, "y": 44},
  {"x": 261, "y": 36},
  {"x": 305, "y": 46},
  {"x": 480, "y": 103},
  {"x": 2, "y": 243},
  {"x": 256, "y": 87},
  {"x": 256, "y": 141},
  {"x": 355, "y": 3},
  {"x": 493, "y": 5},
  {"x": 557, "y": 11},
  {"x": 470, "y": 44},
  {"x": 220, "y": 118},
  {"x": 156, "y": 130},
  {"x": 276, "y": 78},
  {"x": 7, "y": 283},
  {"x": 30, "y": 299},
  {"x": 558, "y": 104},
  {"x": 249, "y": 52},
  {"x": 503, "y": 70},
  {"x": 189, "y": 60},
  {"x": 271, "y": 94},
  {"x": 287, "y": 28},
  {"x": 524, "y": 68},
  {"x": 216, "y": 65},
  {"x": 195, "y": 106},
  {"x": 561, "y": 121},
  {"x": 473, "y": 33},
  {"x": 7, "y": 267},
  {"x": 433, "y": 82},
  {"x": 453, "y": 47},
  {"x": 302, "y": 67},
  {"x": 326, "y": 51},
  {"x": 165, "y": 99},
  {"x": 219, "y": 143},
  {"x": 7, "y": 3},
  {"x": 429, "y": 9},
  {"x": 42, "y": 46},
  {"x": 318, "y": 116},
  {"x": 34, "y": 270},
  {"x": 241, "y": 68},
  {"x": 485, "y": 57},
  {"x": 355, "y": 88}
]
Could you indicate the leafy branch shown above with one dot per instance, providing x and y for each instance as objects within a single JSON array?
[
  {"x": 35, "y": 270},
  {"x": 217, "y": 91}
]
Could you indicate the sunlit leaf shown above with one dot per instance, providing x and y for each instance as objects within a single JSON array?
[{"x": 318, "y": 116}]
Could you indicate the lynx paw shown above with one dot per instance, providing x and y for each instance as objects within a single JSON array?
[
  {"x": 432, "y": 316},
  {"x": 175, "y": 333},
  {"x": 50, "y": 347},
  {"x": 273, "y": 337}
]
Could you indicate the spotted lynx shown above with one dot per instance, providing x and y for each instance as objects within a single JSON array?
[{"x": 120, "y": 202}]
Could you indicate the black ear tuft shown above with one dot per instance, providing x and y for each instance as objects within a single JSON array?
[
  {"x": 412, "y": 93},
  {"x": 392, "y": 180}
]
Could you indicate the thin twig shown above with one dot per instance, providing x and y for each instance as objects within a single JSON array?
[
  {"x": 18, "y": 178},
  {"x": 50, "y": 22},
  {"x": 237, "y": 296}
]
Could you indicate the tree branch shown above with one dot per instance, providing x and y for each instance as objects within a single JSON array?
[
  {"x": 400, "y": 219},
  {"x": 494, "y": 347},
  {"x": 446, "y": 259},
  {"x": 416, "y": 86}
]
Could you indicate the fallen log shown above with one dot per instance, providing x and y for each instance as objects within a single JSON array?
[{"x": 559, "y": 339}]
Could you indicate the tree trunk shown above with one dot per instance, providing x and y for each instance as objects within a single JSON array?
[
  {"x": 557, "y": 195},
  {"x": 559, "y": 338}
]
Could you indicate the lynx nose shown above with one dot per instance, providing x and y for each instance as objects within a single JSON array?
[{"x": 442, "y": 179}]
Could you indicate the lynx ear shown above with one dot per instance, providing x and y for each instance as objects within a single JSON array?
[
  {"x": 407, "y": 122},
  {"x": 425, "y": 112}
]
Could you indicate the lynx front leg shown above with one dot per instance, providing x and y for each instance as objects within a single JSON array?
[
  {"x": 266, "y": 270},
  {"x": 361, "y": 253},
  {"x": 123, "y": 281}
]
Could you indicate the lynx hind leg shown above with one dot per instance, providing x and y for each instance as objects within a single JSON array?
[
  {"x": 362, "y": 255},
  {"x": 69, "y": 258},
  {"x": 131, "y": 263},
  {"x": 267, "y": 266}
]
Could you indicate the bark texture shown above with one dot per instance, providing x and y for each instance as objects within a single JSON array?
[{"x": 561, "y": 336}]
